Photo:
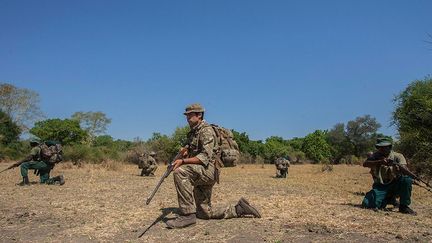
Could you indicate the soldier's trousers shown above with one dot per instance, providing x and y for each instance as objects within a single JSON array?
[
  {"x": 281, "y": 173},
  {"x": 148, "y": 170},
  {"x": 194, "y": 184},
  {"x": 380, "y": 194},
  {"x": 42, "y": 167}
]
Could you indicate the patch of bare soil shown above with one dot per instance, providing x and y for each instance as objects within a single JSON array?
[{"x": 98, "y": 204}]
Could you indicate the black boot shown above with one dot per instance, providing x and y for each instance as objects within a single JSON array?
[
  {"x": 243, "y": 208},
  {"x": 60, "y": 179},
  {"x": 406, "y": 210},
  {"x": 25, "y": 181}
]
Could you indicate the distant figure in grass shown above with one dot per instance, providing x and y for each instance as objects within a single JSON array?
[
  {"x": 39, "y": 161},
  {"x": 147, "y": 164},
  {"x": 282, "y": 166},
  {"x": 197, "y": 172},
  {"x": 389, "y": 182}
]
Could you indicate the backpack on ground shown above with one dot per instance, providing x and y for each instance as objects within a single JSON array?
[
  {"x": 51, "y": 152},
  {"x": 229, "y": 152}
]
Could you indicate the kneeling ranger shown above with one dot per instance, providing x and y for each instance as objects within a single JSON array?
[
  {"x": 389, "y": 182},
  {"x": 34, "y": 161}
]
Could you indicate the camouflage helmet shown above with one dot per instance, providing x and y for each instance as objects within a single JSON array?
[
  {"x": 384, "y": 142},
  {"x": 194, "y": 108},
  {"x": 152, "y": 153}
]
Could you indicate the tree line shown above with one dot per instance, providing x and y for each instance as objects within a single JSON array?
[{"x": 83, "y": 134}]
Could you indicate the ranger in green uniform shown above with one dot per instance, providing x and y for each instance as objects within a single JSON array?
[
  {"x": 196, "y": 174},
  {"x": 33, "y": 161},
  {"x": 388, "y": 180}
]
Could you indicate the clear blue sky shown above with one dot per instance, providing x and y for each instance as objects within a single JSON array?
[{"x": 283, "y": 68}]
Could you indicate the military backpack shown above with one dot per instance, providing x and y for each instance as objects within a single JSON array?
[
  {"x": 229, "y": 152},
  {"x": 51, "y": 152}
]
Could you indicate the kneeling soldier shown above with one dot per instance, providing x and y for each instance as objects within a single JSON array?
[{"x": 196, "y": 174}]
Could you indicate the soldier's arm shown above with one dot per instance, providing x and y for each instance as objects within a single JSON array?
[
  {"x": 33, "y": 153},
  {"x": 206, "y": 153},
  {"x": 372, "y": 163},
  {"x": 207, "y": 142}
]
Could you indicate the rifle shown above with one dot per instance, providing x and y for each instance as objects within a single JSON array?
[
  {"x": 404, "y": 170},
  {"x": 166, "y": 174},
  {"x": 417, "y": 179},
  {"x": 12, "y": 166}
]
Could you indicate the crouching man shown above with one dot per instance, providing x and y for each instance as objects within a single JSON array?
[
  {"x": 196, "y": 174},
  {"x": 388, "y": 180}
]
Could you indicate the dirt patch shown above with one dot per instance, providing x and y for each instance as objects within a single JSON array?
[{"x": 97, "y": 205}]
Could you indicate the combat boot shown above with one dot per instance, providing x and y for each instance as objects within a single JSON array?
[
  {"x": 406, "y": 210},
  {"x": 243, "y": 208},
  {"x": 181, "y": 221},
  {"x": 61, "y": 180},
  {"x": 25, "y": 181}
]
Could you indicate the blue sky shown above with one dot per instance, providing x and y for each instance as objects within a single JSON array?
[{"x": 283, "y": 68}]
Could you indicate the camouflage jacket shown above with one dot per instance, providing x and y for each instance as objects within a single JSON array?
[
  {"x": 282, "y": 164},
  {"x": 145, "y": 162},
  {"x": 385, "y": 174},
  {"x": 202, "y": 143}
]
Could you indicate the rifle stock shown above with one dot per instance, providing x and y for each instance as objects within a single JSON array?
[{"x": 166, "y": 174}]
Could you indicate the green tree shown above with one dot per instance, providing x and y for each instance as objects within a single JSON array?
[
  {"x": 66, "y": 131},
  {"x": 316, "y": 147},
  {"x": 251, "y": 147},
  {"x": 413, "y": 118},
  {"x": 356, "y": 138},
  {"x": 362, "y": 133},
  {"x": 275, "y": 147},
  {"x": 9, "y": 130},
  {"x": 95, "y": 123},
  {"x": 339, "y": 142},
  {"x": 104, "y": 140},
  {"x": 22, "y": 105}
]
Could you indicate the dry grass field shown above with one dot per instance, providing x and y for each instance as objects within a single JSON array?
[{"x": 107, "y": 204}]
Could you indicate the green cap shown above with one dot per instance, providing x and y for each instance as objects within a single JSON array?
[
  {"x": 383, "y": 142},
  {"x": 194, "y": 108}
]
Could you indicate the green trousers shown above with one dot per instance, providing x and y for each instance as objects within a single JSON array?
[
  {"x": 380, "y": 194},
  {"x": 43, "y": 168}
]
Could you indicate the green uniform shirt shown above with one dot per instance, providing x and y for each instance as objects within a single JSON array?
[
  {"x": 385, "y": 174},
  {"x": 35, "y": 153}
]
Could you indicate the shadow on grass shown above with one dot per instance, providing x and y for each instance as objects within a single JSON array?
[
  {"x": 162, "y": 217},
  {"x": 355, "y": 205}
]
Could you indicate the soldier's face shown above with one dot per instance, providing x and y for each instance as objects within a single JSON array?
[
  {"x": 385, "y": 150},
  {"x": 193, "y": 119}
]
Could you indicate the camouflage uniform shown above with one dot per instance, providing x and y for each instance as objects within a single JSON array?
[
  {"x": 196, "y": 175},
  {"x": 282, "y": 165},
  {"x": 148, "y": 165},
  {"x": 43, "y": 168},
  {"x": 388, "y": 183},
  {"x": 194, "y": 182}
]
